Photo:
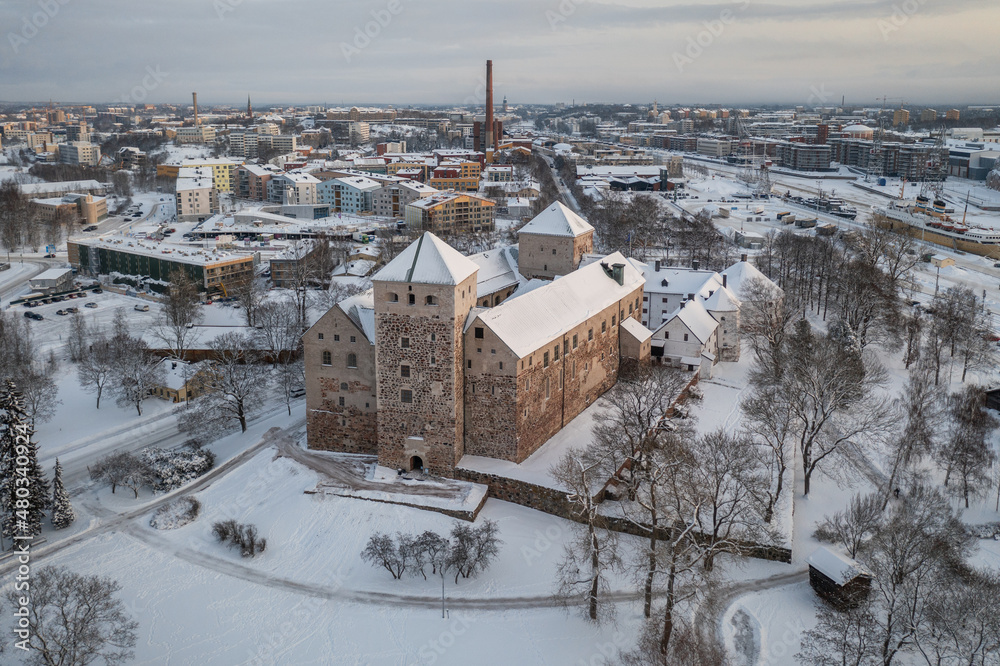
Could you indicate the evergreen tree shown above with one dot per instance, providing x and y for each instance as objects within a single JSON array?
[
  {"x": 62, "y": 511},
  {"x": 24, "y": 490}
]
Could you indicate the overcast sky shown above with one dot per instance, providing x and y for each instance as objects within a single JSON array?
[{"x": 433, "y": 51}]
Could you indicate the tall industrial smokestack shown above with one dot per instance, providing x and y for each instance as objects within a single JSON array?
[
  {"x": 194, "y": 97},
  {"x": 489, "y": 107}
]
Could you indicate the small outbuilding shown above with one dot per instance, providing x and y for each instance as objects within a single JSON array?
[
  {"x": 53, "y": 280},
  {"x": 838, "y": 579}
]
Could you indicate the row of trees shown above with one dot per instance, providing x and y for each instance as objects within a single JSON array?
[
  {"x": 25, "y": 494},
  {"x": 23, "y": 363},
  {"x": 693, "y": 497},
  {"x": 468, "y": 551}
]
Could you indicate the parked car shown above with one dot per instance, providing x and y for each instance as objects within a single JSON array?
[
  {"x": 97, "y": 290},
  {"x": 50, "y": 255},
  {"x": 141, "y": 307},
  {"x": 91, "y": 304},
  {"x": 73, "y": 310},
  {"x": 34, "y": 315},
  {"x": 62, "y": 312},
  {"x": 92, "y": 227}
]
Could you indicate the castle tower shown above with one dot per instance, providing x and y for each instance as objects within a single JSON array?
[
  {"x": 553, "y": 243},
  {"x": 422, "y": 299}
]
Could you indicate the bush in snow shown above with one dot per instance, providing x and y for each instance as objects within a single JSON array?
[
  {"x": 176, "y": 514},
  {"x": 175, "y": 467},
  {"x": 243, "y": 536}
]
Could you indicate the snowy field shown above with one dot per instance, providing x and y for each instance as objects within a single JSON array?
[{"x": 310, "y": 600}]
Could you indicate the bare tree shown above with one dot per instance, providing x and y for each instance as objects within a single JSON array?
[
  {"x": 250, "y": 293},
  {"x": 768, "y": 421},
  {"x": 967, "y": 454},
  {"x": 280, "y": 328},
  {"x": 593, "y": 552},
  {"x": 831, "y": 393},
  {"x": 180, "y": 312},
  {"x": 234, "y": 386},
  {"x": 855, "y": 525},
  {"x": 137, "y": 371},
  {"x": 96, "y": 369},
  {"x": 76, "y": 342},
  {"x": 725, "y": 470},
  {"x": 122, "y": 468},
  {"x": 921, "y": 407},
  {"x": 472, "y": 549},
  {"x": 74, "y": 620}
]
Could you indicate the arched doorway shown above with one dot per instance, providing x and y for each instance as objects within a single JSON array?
[{"x": 416, "y": 463}]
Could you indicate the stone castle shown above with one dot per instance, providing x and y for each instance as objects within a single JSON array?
[{"x": 486, "y": 355}]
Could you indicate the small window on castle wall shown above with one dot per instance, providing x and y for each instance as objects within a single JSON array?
[
  {"x": 685, "y": 337},
  {"x": 553, "y": 250},
  {"x": 393, "y": 298},
  {"x": 613, "y": 320},
  {"x": 501, "y": 365},
  {"x": 352, "y": 360},
  {"x": 430, "y": 300},
  {"x": 574, "y": 342},
  {"x": 545, "y": 360},
  {"x": 343, "y": 386},
  {"x": 336, "y": 337},
  {"x": 604, "y": 327},
  {"x": 666, "y": 335},
  {"x": 469, "y": 364},
  {"x": 555, "y": 352},
  {"x": 340, "y": 401},
  {"x": 404, "y": 371},
  {"x": 353, "y": 339},
  {"x": 327, "y": 358},
  {"x": 406, "y": 396},
  {"x": 590, "y": 334},
  {"x": 479, "y": 333},
  {"x": 320, "y": 336},
  {"x": 411, "y": 299},
  {"x": 404, "y": 343},
  {"x": 434, "y": 337}
]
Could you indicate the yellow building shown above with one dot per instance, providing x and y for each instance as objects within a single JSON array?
[
  {"x": 450, "y": 212},
  {"x": 900, "y": 117},
  {"x": 223, "y": 171},
  {"x": 455, "y": 175}
]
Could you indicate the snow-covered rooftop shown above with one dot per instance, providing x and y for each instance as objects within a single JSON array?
[
  {"x": 638, "y": 331},
  {"x": 839, "y": 568},
  {"x": 557, "y": 220},
  {"x": 497, "y": 270},
  {"x": 361, "y": 310},
  {"x": 742, "y": 272},
  {"x": 531, "y": 320},
  {"x": 694, "y": 315},
  {"x": 428, "y": 260}
]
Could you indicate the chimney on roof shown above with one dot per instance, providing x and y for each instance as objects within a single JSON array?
[
  {"x": 743, "y": 257},
  {"x": 194, "y": 98},
  {"x": 618, "y": 272},
  {"x": 683, "y": 303},
  {"x": 657, "y": 265},
  {"x": 489, "y": 107},
  {"x": 695, "y": 264},
  {"x": 690, "y": 297},
  {"x": 725, "y": 280}
]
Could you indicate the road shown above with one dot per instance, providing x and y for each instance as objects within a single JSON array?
[{"x": 709, "y": 616}]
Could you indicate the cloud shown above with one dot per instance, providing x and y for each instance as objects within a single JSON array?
[{"x": 432, "y": 51}]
